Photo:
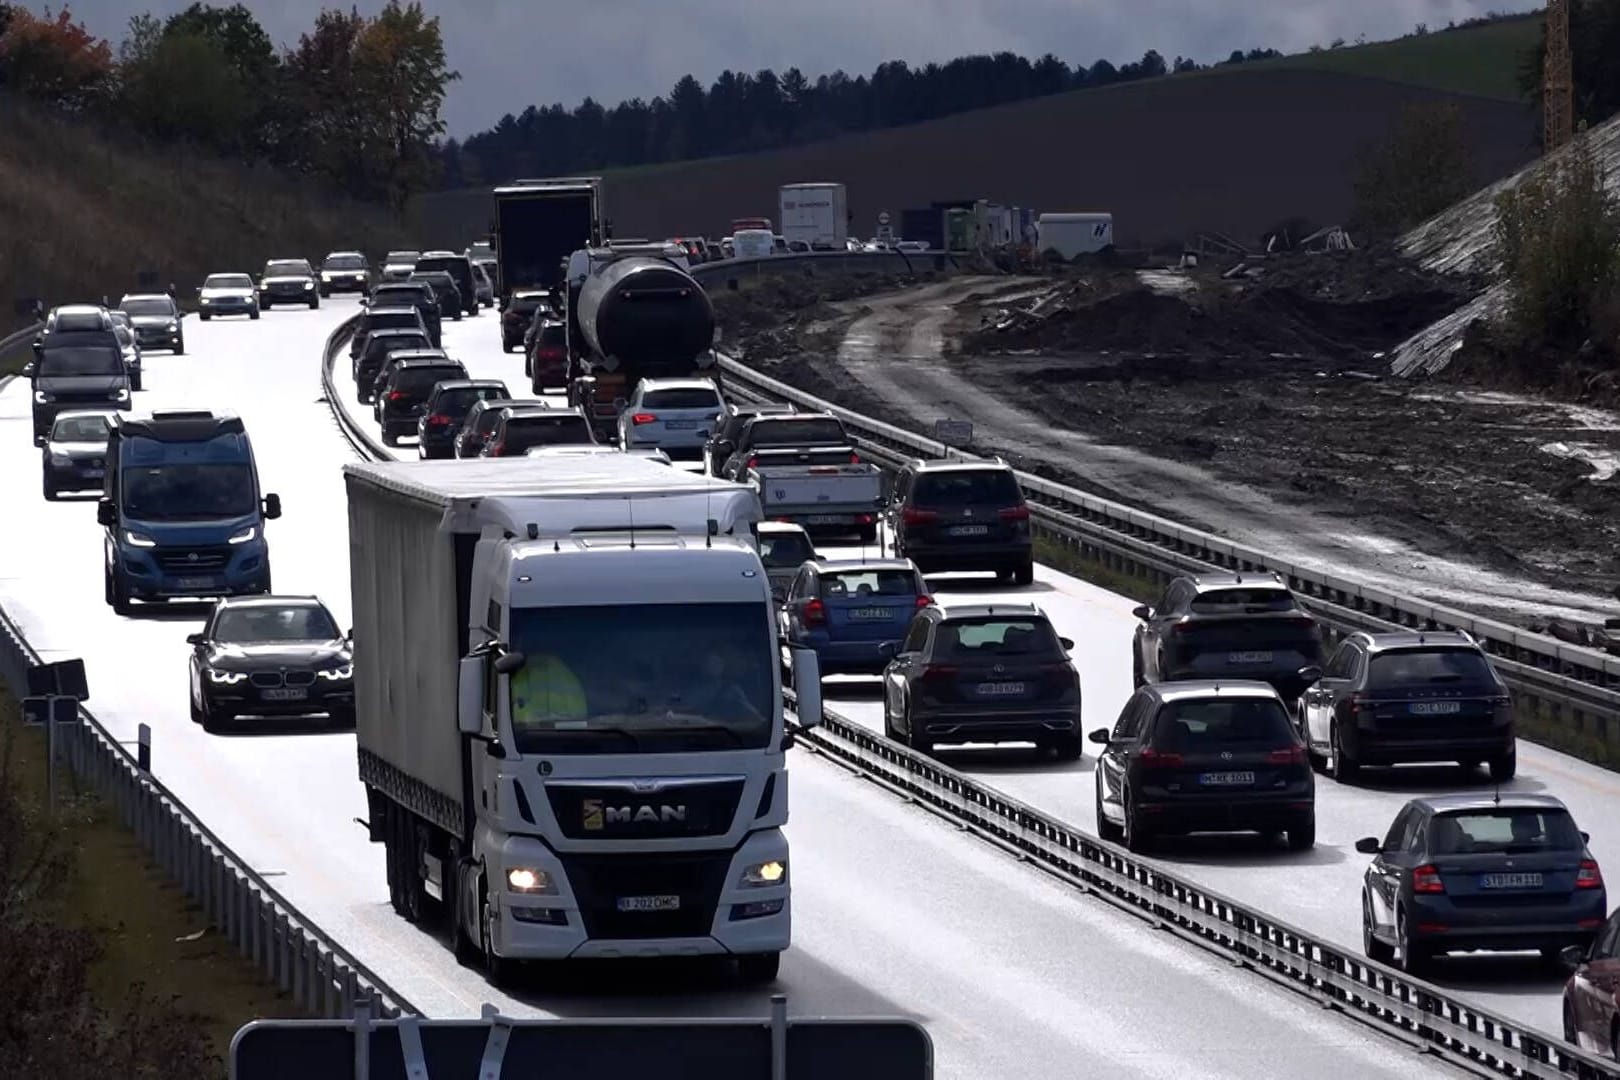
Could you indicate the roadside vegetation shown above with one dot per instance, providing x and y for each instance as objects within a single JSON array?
[
  {"x": 1423, "y": 167},
  {"x": 105, "y": 969}
]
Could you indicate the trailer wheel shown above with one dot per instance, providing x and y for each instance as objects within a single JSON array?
[{"x": 497, "y": 969}]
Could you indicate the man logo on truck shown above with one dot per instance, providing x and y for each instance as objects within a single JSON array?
[{"x": 597, "y": 815}]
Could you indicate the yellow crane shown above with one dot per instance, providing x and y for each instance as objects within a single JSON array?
[{"x": 1557, "y": 80}]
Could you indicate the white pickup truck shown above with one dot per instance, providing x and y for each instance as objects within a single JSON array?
[{"x": 844, "y": 498}]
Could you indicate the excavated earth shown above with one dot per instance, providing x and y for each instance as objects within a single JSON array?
[{"x": 1258, "y": 408}]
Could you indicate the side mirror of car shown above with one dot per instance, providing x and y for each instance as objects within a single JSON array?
[
  {"x": 1100, "y": 736},
  {"x": 196, "y": 639},
  {"x": 1143, "y": 612},
  {"x": 29, "y": 369},
  {"x": 1573, "y": 957},
  {"x": 1067, "y": 643},
  {"x": 1585, "y": 836},
  {"x": 348, "y": 635},
  {"x": 106, "y": 513},
  {"x": 272, "y": 507},
  {"x": 1369, "y": 845},
  {"x": 39, "y": 348},
  {"x": 1310, "y": 673}
]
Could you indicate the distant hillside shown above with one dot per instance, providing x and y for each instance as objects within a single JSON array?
[
  {"x": 83, "y": 211},
  {"x": 1234, "y": 151}
]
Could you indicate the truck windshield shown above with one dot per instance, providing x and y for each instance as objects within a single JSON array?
[
  {"x": 189, "y": 491},
  {"x": 640, "y": 677}
]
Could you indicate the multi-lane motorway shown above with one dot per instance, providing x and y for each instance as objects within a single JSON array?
[{"x": 895, "y": 912}]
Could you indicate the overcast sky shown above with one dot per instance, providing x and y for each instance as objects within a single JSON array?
[{"x": 514, "y": 53}]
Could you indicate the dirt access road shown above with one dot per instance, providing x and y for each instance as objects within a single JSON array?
[{"x": 1419, "y": 489}]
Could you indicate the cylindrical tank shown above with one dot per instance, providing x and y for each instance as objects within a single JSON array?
[{"x": 644, "y": 311}]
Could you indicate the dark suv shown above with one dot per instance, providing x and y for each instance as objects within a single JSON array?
[
  {"x": 370, "y": 361},
  {"x": 545, "y": 354},
  {"x": 288, "y": 281},
  {"x": 1388, "y": 699},
  {"x": 444, "y": 289},
  {"x": 983, "y": 674},
  {"x": 1227, "y": 626},
  {"x": 518, "y": 314},
  {"x": 384, "y": 318},
  {"x": 417, "y": 294},
  {"x": 459, "y": 267},
  {"x": 1204, "y": 757},
  {"x": 962, "y": 515},
  {"x": 447, "y": 406},
  {"x": 523, "y": 427},
  {"x": 404, "y": 397},
  {"x": 479, "y": 425}
]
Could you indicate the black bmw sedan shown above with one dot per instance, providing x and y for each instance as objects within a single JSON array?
[{"x": 270, "y": 656}]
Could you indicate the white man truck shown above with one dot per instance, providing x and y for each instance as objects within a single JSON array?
[
  {"x": 816, "y": 214},
  {"x": 569, "y": 708}
]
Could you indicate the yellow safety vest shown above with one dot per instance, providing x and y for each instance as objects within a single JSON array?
[{"x": 545, "y": 691}]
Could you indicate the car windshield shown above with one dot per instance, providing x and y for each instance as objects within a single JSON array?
[
  {"x": 992, "y": 637},
  {"x": 1194, "y": 726},
  {"x": 84, "y": 429},
  {"x": 1244, "y": 600},
  {"x": 228, "y": 281},
  {"x": 284, "y": 267},
  {"x": 405, "y": 317},
  {"x": 967, "y": 487},
  {"x": 1504, "y": 830},
  {"x": 785, "y": 551},
  {"x": 629, "y": 677},
  {"x": 683, "y": 398},
  {"x": 527, "y": 431},
  {"x": 141, "y": 308},
  {"x": 456, "y": 402},
  {"x": 303, "y": 622},
  {"x": 184, "y": 491},
  {"x": 857, "y": 583},
  {"x": 486, "y": 422},
  {"x": 80, "y": 360},
  {"x": 346, "y": 262},
  {"x": 418, "y": 381},
  {"x": 481, "y": 251},
  {"x": 119, "y": 318},
  {"x": 817, "y": 432},
  {"x": 383, "y": 344},
  {"x": 1414, "y": 667},
  {"x": 523, "y": 305}
]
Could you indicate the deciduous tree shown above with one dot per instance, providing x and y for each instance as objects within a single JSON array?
[{"x": 54, "y": 59}]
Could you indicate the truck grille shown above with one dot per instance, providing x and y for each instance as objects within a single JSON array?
[
  {"x": 601, "y": 881},
  {"x": 606, "y": 811},
  {"x": 189, "y": 560}
]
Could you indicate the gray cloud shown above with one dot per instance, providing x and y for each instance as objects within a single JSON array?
[{"x": 514, "y": 53}]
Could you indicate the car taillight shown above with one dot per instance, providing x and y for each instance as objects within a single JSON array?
[
  {"x": 1589, "y": 876},
  {"x": 863, "y": 519},
  {"x": 924, "y": 601},
  {"x": 551, "y": 352},
  {"x": 854, "y": 459},
  {"x": 1293, "y": 755},
  {"x": 495, "y": 449},
  {"x": 815, "y": 613},
  {"x": 438, "y": 421},
  {"x": 643, "y": 418},
  {"x": 918, "y": 517},
  {"x": 1355, "y": 703},
  {"x": 939, "y": 672},
  {"x": 1159, "y": 759},
  {"x": 751, "y": 463},
  {"x": 1426, "y": 879},
  {"x": 1015, "y": 513},
  {"x": 396, "y": 395}
]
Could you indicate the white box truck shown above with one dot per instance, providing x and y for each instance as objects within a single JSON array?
[
  {"x": 569, "y": 708},
  {"x": 1074, "y": 234},
  {"x": 816, "y": 214}
]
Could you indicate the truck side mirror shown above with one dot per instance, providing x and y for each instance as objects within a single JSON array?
[
  {"x": 272, "y": 507},
  {"x": 106, "y": 513},
  {"x": 510, "y": 663},
  {"x": 470, "y": 695},
  {"x": 807, "y": 688}
]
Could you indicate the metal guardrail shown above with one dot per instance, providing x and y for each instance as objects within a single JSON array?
[
  {"x": 1567, "y": 684},
  {"x": 320, "y": 975},
  {"x": 1409, "y": 1009}
]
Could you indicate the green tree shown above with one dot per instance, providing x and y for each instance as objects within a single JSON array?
[
  {"x": 184, "y": 86},
  {"x": 402, "y": 77},
  {"x": 323, "y": 89},
  {"x": 54, "y": 59},
  {"x": 1557, "y": 238},
  {"x": 1423, "y": 167}
]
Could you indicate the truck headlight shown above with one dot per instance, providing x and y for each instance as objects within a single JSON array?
[
  {"x": 227, "y": 678},
  {"x": 525, "y": 879},
  {"x": 337, "y": 674},
  {"x": 242, "y": 536},
  {"x": 773, "y": 872},
  {"x": 138, "y": 539}
]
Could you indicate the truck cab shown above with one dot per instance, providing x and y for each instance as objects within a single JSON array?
[{"x": 182, "y": 510}]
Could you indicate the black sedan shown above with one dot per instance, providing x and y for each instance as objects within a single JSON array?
[
  {"x": 1484, "y": 872},
  {"x": 271, "y": 656}
]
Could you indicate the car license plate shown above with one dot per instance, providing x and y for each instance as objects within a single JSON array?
[
  {"x": 680, "y": 425},
  {"x": 1510, "y": 881},
  {"x": 1249, "y": 658},
  {"x": 1226, "y": 779},
  {"x": 1001, "y": 689},
  {"x": 649, "y": 903},
  {"x": 285, "y": 693},
  {"x": 827, "y": 519},
  {"x": 1435, "y": 708},
  {"x": 969, "y": 530},
  {"x": 194, "y": 583},
  {"x": 870, "y": 613}
]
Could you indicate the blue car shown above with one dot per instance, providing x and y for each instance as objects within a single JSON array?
[{"x": 846, "y": 610}]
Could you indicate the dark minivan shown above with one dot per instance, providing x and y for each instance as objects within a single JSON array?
[{"x": 76, "y": 369}]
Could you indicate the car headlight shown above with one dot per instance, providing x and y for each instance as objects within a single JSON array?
[
  {"x": 337, "y": 674},
  {"x": 207, "y": 300},
  {"x": 122, "y": 394},
  {"x": 773, "y": 872},
  {"x": 174, "y": 326},
  {"x": 309, "y": 284},
  {"x": 41, "y": 398},
  {"x": 61, "y": 459},
  {"x": 227, "y": 678},
  {"x": 242, "y": 536},
  {"x": 524, "y": 879}
]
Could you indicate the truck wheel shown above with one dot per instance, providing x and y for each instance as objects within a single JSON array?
[
  {"x": 759, "y": 967},
  {"x": 497, "y": 969}
]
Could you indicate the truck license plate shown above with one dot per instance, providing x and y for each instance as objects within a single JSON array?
[
  {"x": 1510, "y": 881},
  {"x": 1249, "y": 658},
  {"x": 1226, "y": 779},
  {"x": 1436, "y": 708},
  {"x": 649, "y": 903},
  {"x": 969, "y": 530},
  {"x": 193, "y": 584},
  {"x": 285, "y": 693}
]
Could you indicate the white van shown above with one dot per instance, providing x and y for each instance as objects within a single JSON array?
[
  {"x": 1074, "y": 234},
  {"x": 753, "y": 244}
]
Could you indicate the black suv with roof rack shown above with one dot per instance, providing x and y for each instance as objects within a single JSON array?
[
  {"x": 1408, "y": 697},
  {"x": 962, "y": 515}
]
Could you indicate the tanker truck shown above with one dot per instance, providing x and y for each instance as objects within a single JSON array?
[{"x": 633, "y": 312}]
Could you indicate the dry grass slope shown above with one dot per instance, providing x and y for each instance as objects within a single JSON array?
[{"x": 83, "y": 210}]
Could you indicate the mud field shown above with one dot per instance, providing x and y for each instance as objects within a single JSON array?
[{"x": 1256, "y": 409}]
